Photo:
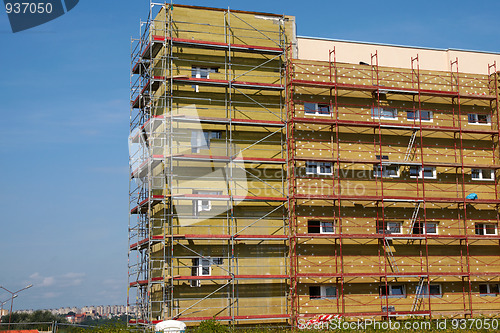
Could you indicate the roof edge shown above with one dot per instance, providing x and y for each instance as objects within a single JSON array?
[
  {"x": 396, "y": 45},
  {"x": 224, "y": 10}
]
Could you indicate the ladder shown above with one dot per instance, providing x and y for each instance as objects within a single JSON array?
[
  {"x": 410, "y": 145},
  {"x": 390, "y": 255},
  {"x": 413, "y": 220},
  {"x": 419, "y": 295}
]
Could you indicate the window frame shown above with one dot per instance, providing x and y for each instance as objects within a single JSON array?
[
  {"x": 480, "y": 172},
  {"x": 197, "y": 71},
  {"x": 322, "y": 292},
  {"x": 202, "y": 139},
  {"x": 384, "y": 173},
  {"x": 390, "y": 287},
  {"x": 203, "y": 264},
  {"x": 216, "y": 135},
  {"x": 488, "y": 289},
  {"x": 417, "y": 117},
  {"x": 386, "y": 228},
  {"x": 424, "y": 228},
  {"x": 425, "y": 290},
  {"x": 379, "y": 114},
  {"x": 389, "y": 309},
  {"x": 318, "y": 165},
  {"x": 321, "y": 225},
  {"x": 475, "y": 118},
  {"x": 203, "y": 206},
  {"x": 199, "y": 203},
  {"x": 200, "y": 264},
  {"x": 317, "y": 108},
  {"x": 421, "y": 171},
  {"x": 484, "y": 229}
]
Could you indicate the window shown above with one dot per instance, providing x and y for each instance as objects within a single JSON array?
[
  {"x": 486, "y": 229},
  {"x": 479, "y": 119},
  {"x": 434, "y": 290},
  {"x": 430, "y": 228},
  {"x": 202, "y": 73},
  {"x": 320, "y": 227},
  {"x": 428, "y": 172},
  {"x": 482, "y": 174},
  {"x": 384, "y": 157},
  {"x": 386, "y": 170},
  {"x": 201, "y": 139},
  {"x": 324, "y": 292},
  {"x": 318, "y": 168},
  {"x": 391, "y": 171},
  {"x": 384, "y": 113},
  {"x": 389, "y": 227},
  {"x": 488, "y": 289},
  {"x": 419, "y": 115},
  {"x": 203, "y": 267},
  {"x": 317, "y": 109},
  {"x": 203, "y": 205},
  {"x": 215, "y": 135},
  {"x": 392, "y": 291},
  {"x": 425, "y": 228}
]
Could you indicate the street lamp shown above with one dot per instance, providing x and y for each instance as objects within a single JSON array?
[
  {"x": 2, "y": 304},
  {"x": 13, "y": 295}
]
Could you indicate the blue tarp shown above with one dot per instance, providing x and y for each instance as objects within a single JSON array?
[{"x": 472, "y": 196}]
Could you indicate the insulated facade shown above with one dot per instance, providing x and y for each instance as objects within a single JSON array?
[
  {"x": 208, "y": 230},
  {"x": 393, "y": 190},
  {"x": 267, "y": 187}
]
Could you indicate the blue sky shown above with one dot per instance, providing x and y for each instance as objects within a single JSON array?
[{"x": 64, "y": 94}]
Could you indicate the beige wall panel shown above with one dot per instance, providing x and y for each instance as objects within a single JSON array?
[{"x": 397, "y": 56}]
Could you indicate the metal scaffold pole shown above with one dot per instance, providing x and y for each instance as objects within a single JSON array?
[{"x": 211, "y": 194}]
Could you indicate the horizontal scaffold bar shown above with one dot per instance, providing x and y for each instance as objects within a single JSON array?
[
  {"x": 385, "y": 90},
  {"x": 376, "y": 124},
  {"x": 378, "y": 162},
  {"x": 157, "y": 239},
  {"x": 392, "y": 199}
]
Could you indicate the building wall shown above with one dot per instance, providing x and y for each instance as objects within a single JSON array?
[
  {"x": 397, "y": 56},
  {"x": 230, "y": 127},
  {"x": 352, "y": 139},
  {"x": 238, "y": 174}
]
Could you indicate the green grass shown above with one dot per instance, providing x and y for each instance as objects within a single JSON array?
[{"x": 212, "y": 326}]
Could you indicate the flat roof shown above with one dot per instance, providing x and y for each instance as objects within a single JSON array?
[
  {"x": 395, "y": 45},
  {"x": 398, "y": 56},
  {"x": 226, "y": 9}
]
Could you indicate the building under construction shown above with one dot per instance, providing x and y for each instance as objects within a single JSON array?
[{"x": 276, "y": 178}]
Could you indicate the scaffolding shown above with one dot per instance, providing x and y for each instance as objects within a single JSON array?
[
  {"x": 393, "y": 190},
  {"x": 268, "y": 189},
  {"x": 208, "y": 228}
]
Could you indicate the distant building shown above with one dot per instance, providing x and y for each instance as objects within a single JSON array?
[{"x": 88, "y": 311}]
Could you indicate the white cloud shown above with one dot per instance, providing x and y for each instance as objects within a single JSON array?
[
  {"x": 51, "y": 294},
  {"x": 48, "y": 281},
  {"x": 70, "y": 279},
  {"x": 42, "y": 281},
  {"x": 114, "y": 284}
]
